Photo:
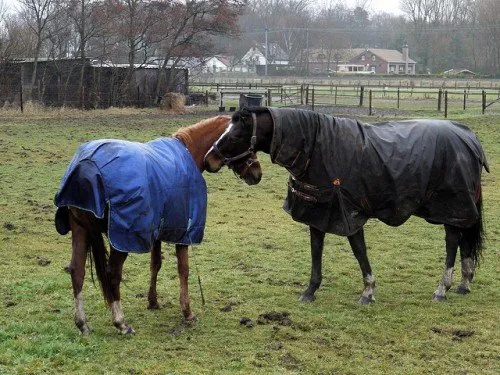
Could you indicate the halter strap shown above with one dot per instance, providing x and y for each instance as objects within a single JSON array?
[{"x": 253, "y": 141}]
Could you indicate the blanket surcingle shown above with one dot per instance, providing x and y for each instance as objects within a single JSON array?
[
  {"x": 344, "y": 172},
  {"x": 152, "y": 190}
]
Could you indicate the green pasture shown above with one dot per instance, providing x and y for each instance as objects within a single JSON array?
[{"x": 254, "y": 260}]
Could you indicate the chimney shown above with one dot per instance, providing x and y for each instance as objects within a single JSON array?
[
  {"x": 405, "y": 57},
  {"x": 405, "y": 52}
]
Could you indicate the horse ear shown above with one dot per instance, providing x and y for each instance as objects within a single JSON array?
[{"x": 241, "y": 115}]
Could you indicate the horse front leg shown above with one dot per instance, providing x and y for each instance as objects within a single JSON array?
[
  {"x": 358, "y": 246},
  {"x": 317, "y": 242},
  {"x": 155, "y": 268},
  {"x": 452, "y": 237},
  {"x": 181, "y": 251},
  {"x": 80, "y": 244},
  {"x": 114, "y": 272}
]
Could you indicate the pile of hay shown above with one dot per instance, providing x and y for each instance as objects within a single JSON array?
[{"x": 173, "y": 102}]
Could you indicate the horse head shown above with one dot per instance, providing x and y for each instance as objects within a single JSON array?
[{"x": 236, "y": 148}]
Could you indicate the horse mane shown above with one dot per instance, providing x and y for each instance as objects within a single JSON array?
[{"x": 185, "y": 134}]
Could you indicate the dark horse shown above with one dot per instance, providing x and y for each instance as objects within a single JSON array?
[
  {"x": 343, "y": 172},
  {"x": 138, "y": 194}
]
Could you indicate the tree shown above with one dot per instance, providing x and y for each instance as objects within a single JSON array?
[
  {"x": 186, "y": 29},
  {"x": 487, "y": 33},
  {"x": 37, "y": 15}
]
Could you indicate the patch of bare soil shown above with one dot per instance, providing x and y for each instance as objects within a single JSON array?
[{"x": 283, "y": 318}]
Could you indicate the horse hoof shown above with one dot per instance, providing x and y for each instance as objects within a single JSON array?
[
  {"x": 153, "y": 306},
  {"x": 83, "y": 328},
  {"x": 366, "y": 300},
  {"x": 85, "y": 331},
  {"x": 307, "y": 297},
  {"x": 191, "y": 322},
  {"x": 128, "y": 331},
  {"x": 462, "y": 290},
  {"x": 190, "y": 318},
  {"x": 438, "y": 297}
]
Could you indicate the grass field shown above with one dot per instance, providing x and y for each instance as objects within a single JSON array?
[{"x": 254, "y": 260}]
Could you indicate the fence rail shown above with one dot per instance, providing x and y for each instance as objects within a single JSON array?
[{"x": 401, "y": 98}]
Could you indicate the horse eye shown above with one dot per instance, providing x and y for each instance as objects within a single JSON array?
[{"x": 233, "y": 139}]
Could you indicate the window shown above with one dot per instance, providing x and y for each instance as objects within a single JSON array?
[
  {"x": 363, "y": 57},
  {"x": 374, "y": 57}
]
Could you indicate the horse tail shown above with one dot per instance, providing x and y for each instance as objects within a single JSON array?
[
  {"x": 474, "y": 236},
  {"x": 99, "y": 257}
]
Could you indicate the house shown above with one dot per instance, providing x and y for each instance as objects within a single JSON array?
[
  {"x": 213, "y": 64},
  {"x": 385, "y": 61},
  {"x": 256, "y": 56},
  {"x": 459, "y": 72},
  {"x": 196, "y": 65},
  {"x": 328, "y": 61}
]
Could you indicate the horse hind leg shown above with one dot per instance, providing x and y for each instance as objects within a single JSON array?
[
  {"x": 181, "y": 252},
  {"x": 80, "y": 246},
  {"x": 452, "y": 237},
  {"x": 468, "y": 267},
  {"x": 471, "y": 246},
  {"x": 358, "y": 246},
  {"x": 112, "y": 294},
  {"x": 155, "y": 268}
]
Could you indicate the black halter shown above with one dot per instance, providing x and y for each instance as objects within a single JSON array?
[{"x": 230, "y": 161}]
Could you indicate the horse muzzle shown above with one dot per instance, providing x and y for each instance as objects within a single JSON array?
[{"x": 212, "y": 163}]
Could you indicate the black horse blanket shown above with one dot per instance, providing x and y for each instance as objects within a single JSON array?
[
  {"x": 152, "y": 190},
  {"x": 344, "y": 171}
]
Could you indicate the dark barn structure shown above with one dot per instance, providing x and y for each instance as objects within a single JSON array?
[{"x": 57, "y": 83}]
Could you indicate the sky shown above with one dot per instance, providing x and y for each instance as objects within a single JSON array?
[{"x": 388, "y": 6}]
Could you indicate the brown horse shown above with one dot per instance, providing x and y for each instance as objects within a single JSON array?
[{"x": 87, "y": 227}]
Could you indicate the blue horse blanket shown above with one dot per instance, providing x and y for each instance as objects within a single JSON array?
[{"x": 153, "y": 191}]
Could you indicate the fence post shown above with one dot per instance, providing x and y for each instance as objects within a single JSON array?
[
  {"x": 336, "y": 95},
  {"x": 398, "y": 97},
  {"x": 440, "y": 94},
  {"x": 369, "y": 102},
  {"x": 483, "y": 94},
  {"x": 269, "y": 98},
  {"x": 446, "y": 104},
  {"x": 221, "y": 101},
  {"x": 302, "y": 94},
  {"x": 361, "y": 92},
  {"x": 206, "y": 98},
  {"x": 307, "y": 95},
  {"x": 312, "y": 100},
  {"x": 82, "y": 97},
  {"x": 21, "y": 97},
  {"x": 465, "y": 96}
]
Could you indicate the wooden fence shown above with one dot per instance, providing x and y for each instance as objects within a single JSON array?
[{"x": 408, "y": 99}]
